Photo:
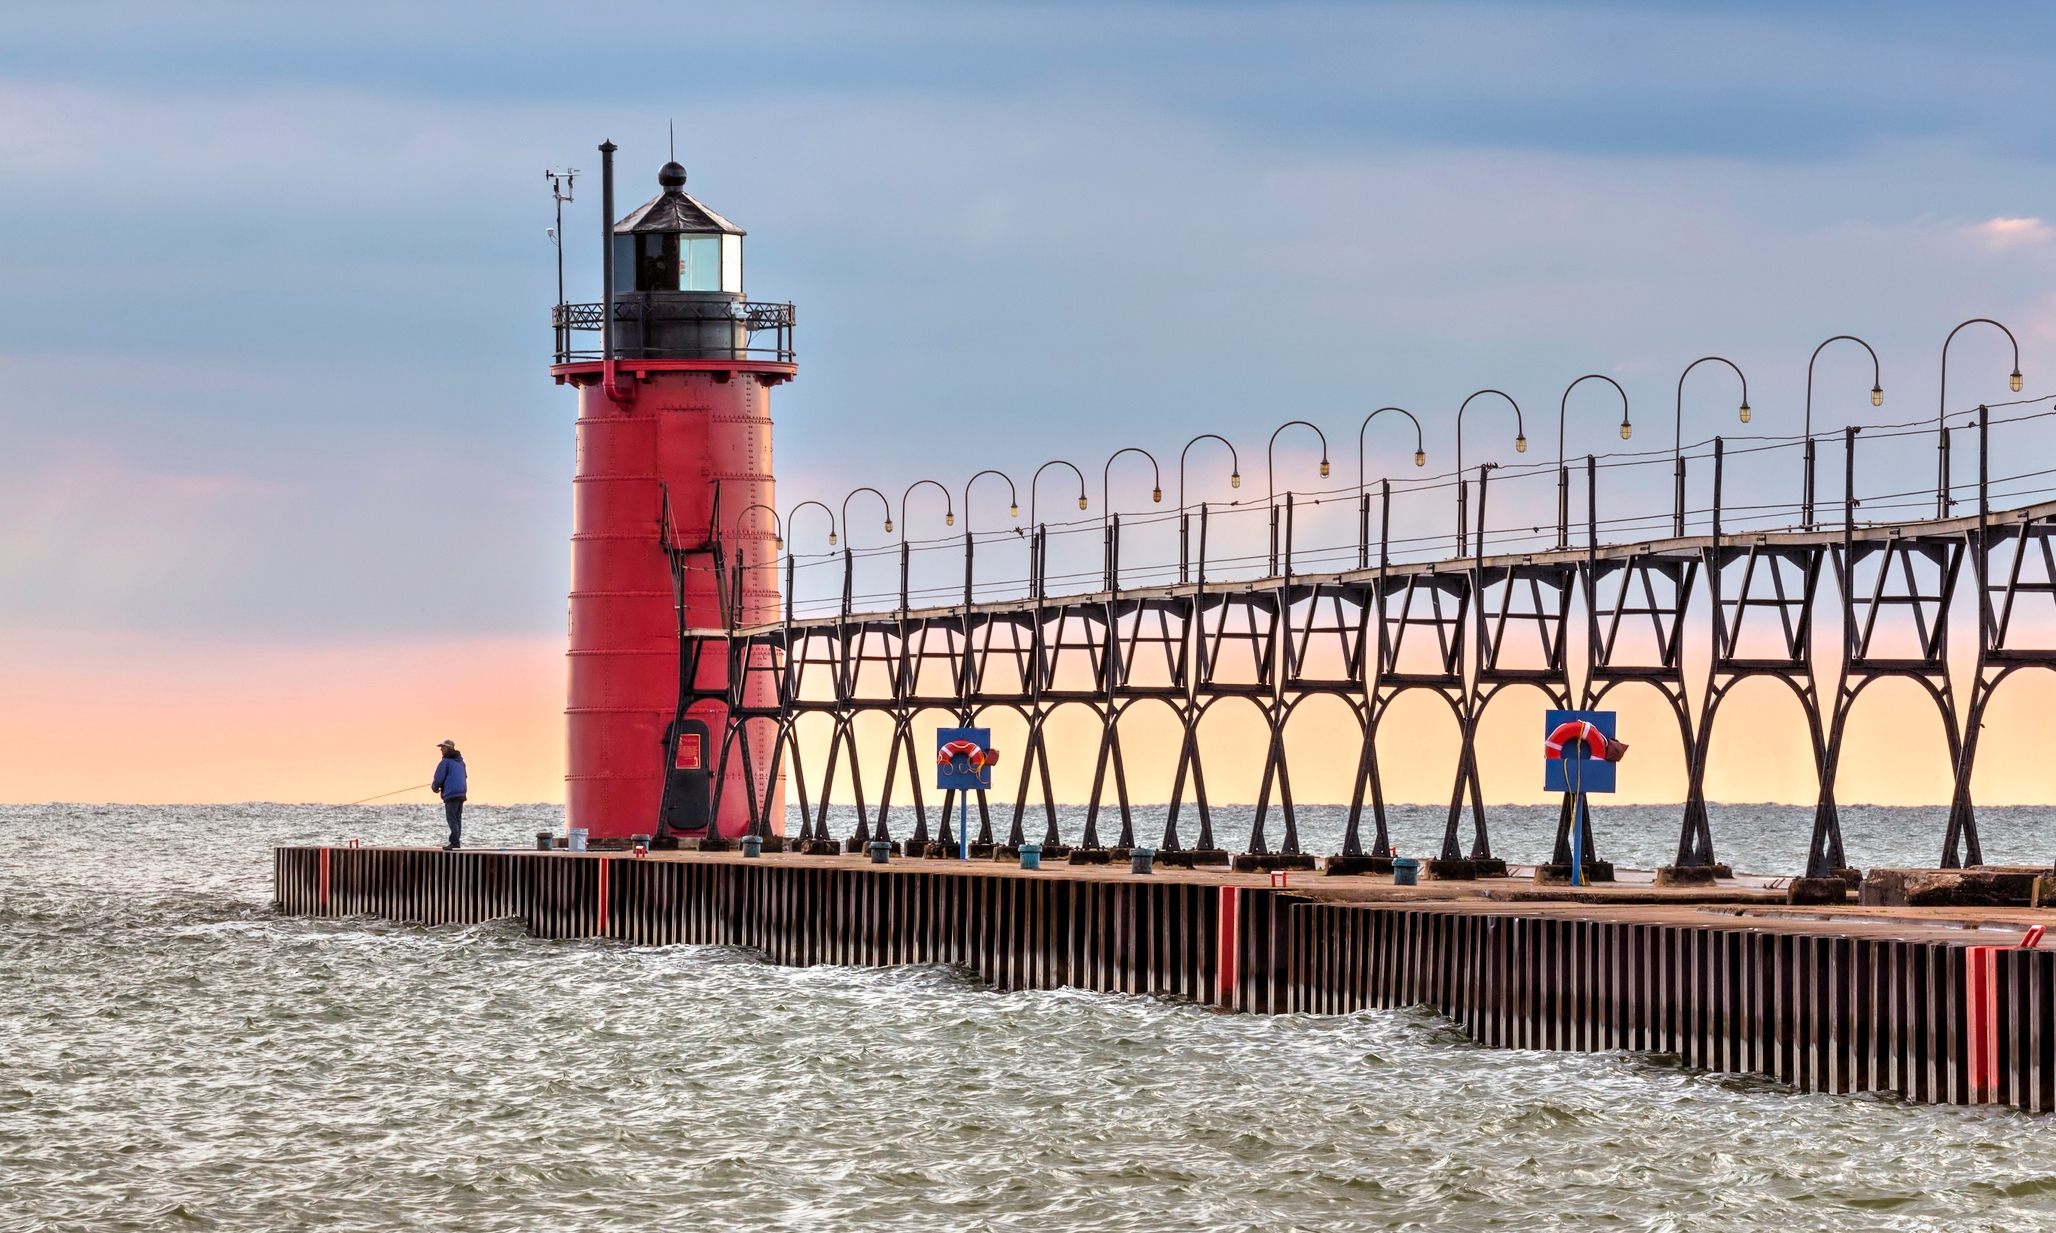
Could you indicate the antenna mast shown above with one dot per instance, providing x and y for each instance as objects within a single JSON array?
[{"x": 561, "y": 183}]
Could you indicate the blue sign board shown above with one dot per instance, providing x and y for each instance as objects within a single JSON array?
[
  {"x": 961, "y": 761},
  {"x": 1592, "y": 774}
]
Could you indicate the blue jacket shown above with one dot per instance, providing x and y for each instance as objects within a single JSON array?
[{"x": 449, "y": 778}]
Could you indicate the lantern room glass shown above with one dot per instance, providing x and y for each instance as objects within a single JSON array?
[{"x": 670, "y": 261}]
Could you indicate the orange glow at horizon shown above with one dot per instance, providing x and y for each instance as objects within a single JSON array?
[{"x": 124, "y": 718}]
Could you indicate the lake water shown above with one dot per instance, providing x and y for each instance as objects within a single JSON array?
[{"x": 177, "y": 1057}]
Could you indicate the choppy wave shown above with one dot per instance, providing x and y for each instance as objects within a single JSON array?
[{"x": 176, "y": 1057}]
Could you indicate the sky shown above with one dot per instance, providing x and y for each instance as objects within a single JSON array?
[{"x": 284, "y": 479}]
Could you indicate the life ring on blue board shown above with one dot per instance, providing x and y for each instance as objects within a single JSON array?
[{"x": 1573, "y": 731}]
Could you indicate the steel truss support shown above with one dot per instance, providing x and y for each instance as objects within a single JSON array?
[
  {"x": 1620, "y": 594},
  {"x": 1752, "y": 585},
  {"x": 1466, "y": 631},
  {"x": 2014, "y": 563},
  {"x": 1523, "y": 613}
]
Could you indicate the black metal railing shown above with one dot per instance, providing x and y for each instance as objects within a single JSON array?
[{"x": 631, "y": 315}]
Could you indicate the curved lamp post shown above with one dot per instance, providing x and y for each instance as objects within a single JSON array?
[
  {"x": 1942, "y": 501},
  {"x": 949, "y": 519},
  {"x": 1156, "y": 492},
  {"x": 881, "y": 500},
  {"x": 777, "y": 527},
  {"x": 1013, "y": 511},
  {"x": 1877, "y": 399},
  {"x": 1013, "y": 498},
  {"x": 791, "y": 583},
  {"x": 848, "y": 557},
  {"x": 794, "y": 513},
  {"x": 1109, "y": 532},
  {"x": 1520, "y": 446},
  {"x": 1363, "y": 503},
  {"x": 1234, "y": 481},
  {"x": 777, "y": 546},
  {"x": 1035, "y": 529},
  {"x": 1037, "y": 479},
  {"x": 1271, "y": 479},
  {"x": 1678, "y": 437},
  {"x": 1563, "y": 475}
]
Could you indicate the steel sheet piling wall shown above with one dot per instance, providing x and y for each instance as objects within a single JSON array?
[{"x": 1827, "y": 1012}]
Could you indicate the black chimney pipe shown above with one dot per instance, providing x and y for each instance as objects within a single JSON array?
[{"x": 607, "y": 149}]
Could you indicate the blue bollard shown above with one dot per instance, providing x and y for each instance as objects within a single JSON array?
[
  {"x": 881, "y": 852},
  {"x": 752, "y": 846},
  {"x": 1031, "y": 856},
  {"x": 1406, "y": 871},
  {"x": 1141, "y": 859}
]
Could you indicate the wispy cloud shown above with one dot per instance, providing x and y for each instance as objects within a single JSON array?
[{"x": 2001, "y": 234}]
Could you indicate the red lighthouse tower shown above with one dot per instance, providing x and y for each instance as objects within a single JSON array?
[{"x": 673, "y": 536}]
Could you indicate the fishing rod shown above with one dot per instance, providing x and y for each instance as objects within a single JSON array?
[{"x": 381, "y": 796}]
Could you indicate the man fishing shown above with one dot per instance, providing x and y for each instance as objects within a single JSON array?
[{"x": 449, "y": 783}]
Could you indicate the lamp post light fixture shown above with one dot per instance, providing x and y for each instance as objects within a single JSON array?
[
  {"x": 1013, "y": 498},
  {"x": 1271, "y": 476},
  {"x": 1563, "y": 475},
  {"x": 849, "y": 567},
  {"x": 1363, "y": 501},
  {"x": 881, "y": 500},
  {"x": 949, "y": 517},
  {"x": 1037, "y": 479},
  {"x": 1037, "y": 544},
  {"x": 794, "y": 512},
  {"x": 1234, "y": 481},
  {"x": 1520, "y": 446},
  {"x": 1270, "y": 463},
  {"x": 1234, "y": 464},
  {"x": 1110, "y": 530},
  {"x": 970, "y": 544},
  {"x": 1678, "y": 437},
  {"x": 1942, "y": 501},
  {"x": 1877, "y": 399},
  {"x": 777, "y": 527},
  {"x": 1156, "y": 493}
]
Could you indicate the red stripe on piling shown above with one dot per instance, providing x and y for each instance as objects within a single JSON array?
[
  {"x": 1981, "y": 1021},
  {"x": 1229, "y": 957},
  {"x": 323, "y": 902}
]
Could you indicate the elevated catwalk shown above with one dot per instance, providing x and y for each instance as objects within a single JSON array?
[{"x": 1935, "y": 1004}]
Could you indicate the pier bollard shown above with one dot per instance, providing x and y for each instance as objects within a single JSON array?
[
  {"x": 1140, "y": 859},
  {"x": 752, "y": 846},
  {"x": 1031, "y": 856},
  {"x": 1406, "y": 871},
  {"x": 881, "y": 852},
  {"x": 577, "y": 837},
  {"x": 544, "y": 841}
]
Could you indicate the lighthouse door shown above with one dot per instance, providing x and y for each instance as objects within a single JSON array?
[{"x": 688, "y": 783}]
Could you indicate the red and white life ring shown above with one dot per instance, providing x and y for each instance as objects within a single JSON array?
[
  {"x": 1570, "y": 732},
  {"x": 978, "y": 757}
]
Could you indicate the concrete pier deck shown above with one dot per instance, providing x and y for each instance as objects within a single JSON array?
[{"x": 1937, "y": 1004}]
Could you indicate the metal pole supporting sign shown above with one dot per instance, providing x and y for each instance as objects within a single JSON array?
[
  {"x": 964, "y": 758},
  {"x": 1579, "y": 754}
]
